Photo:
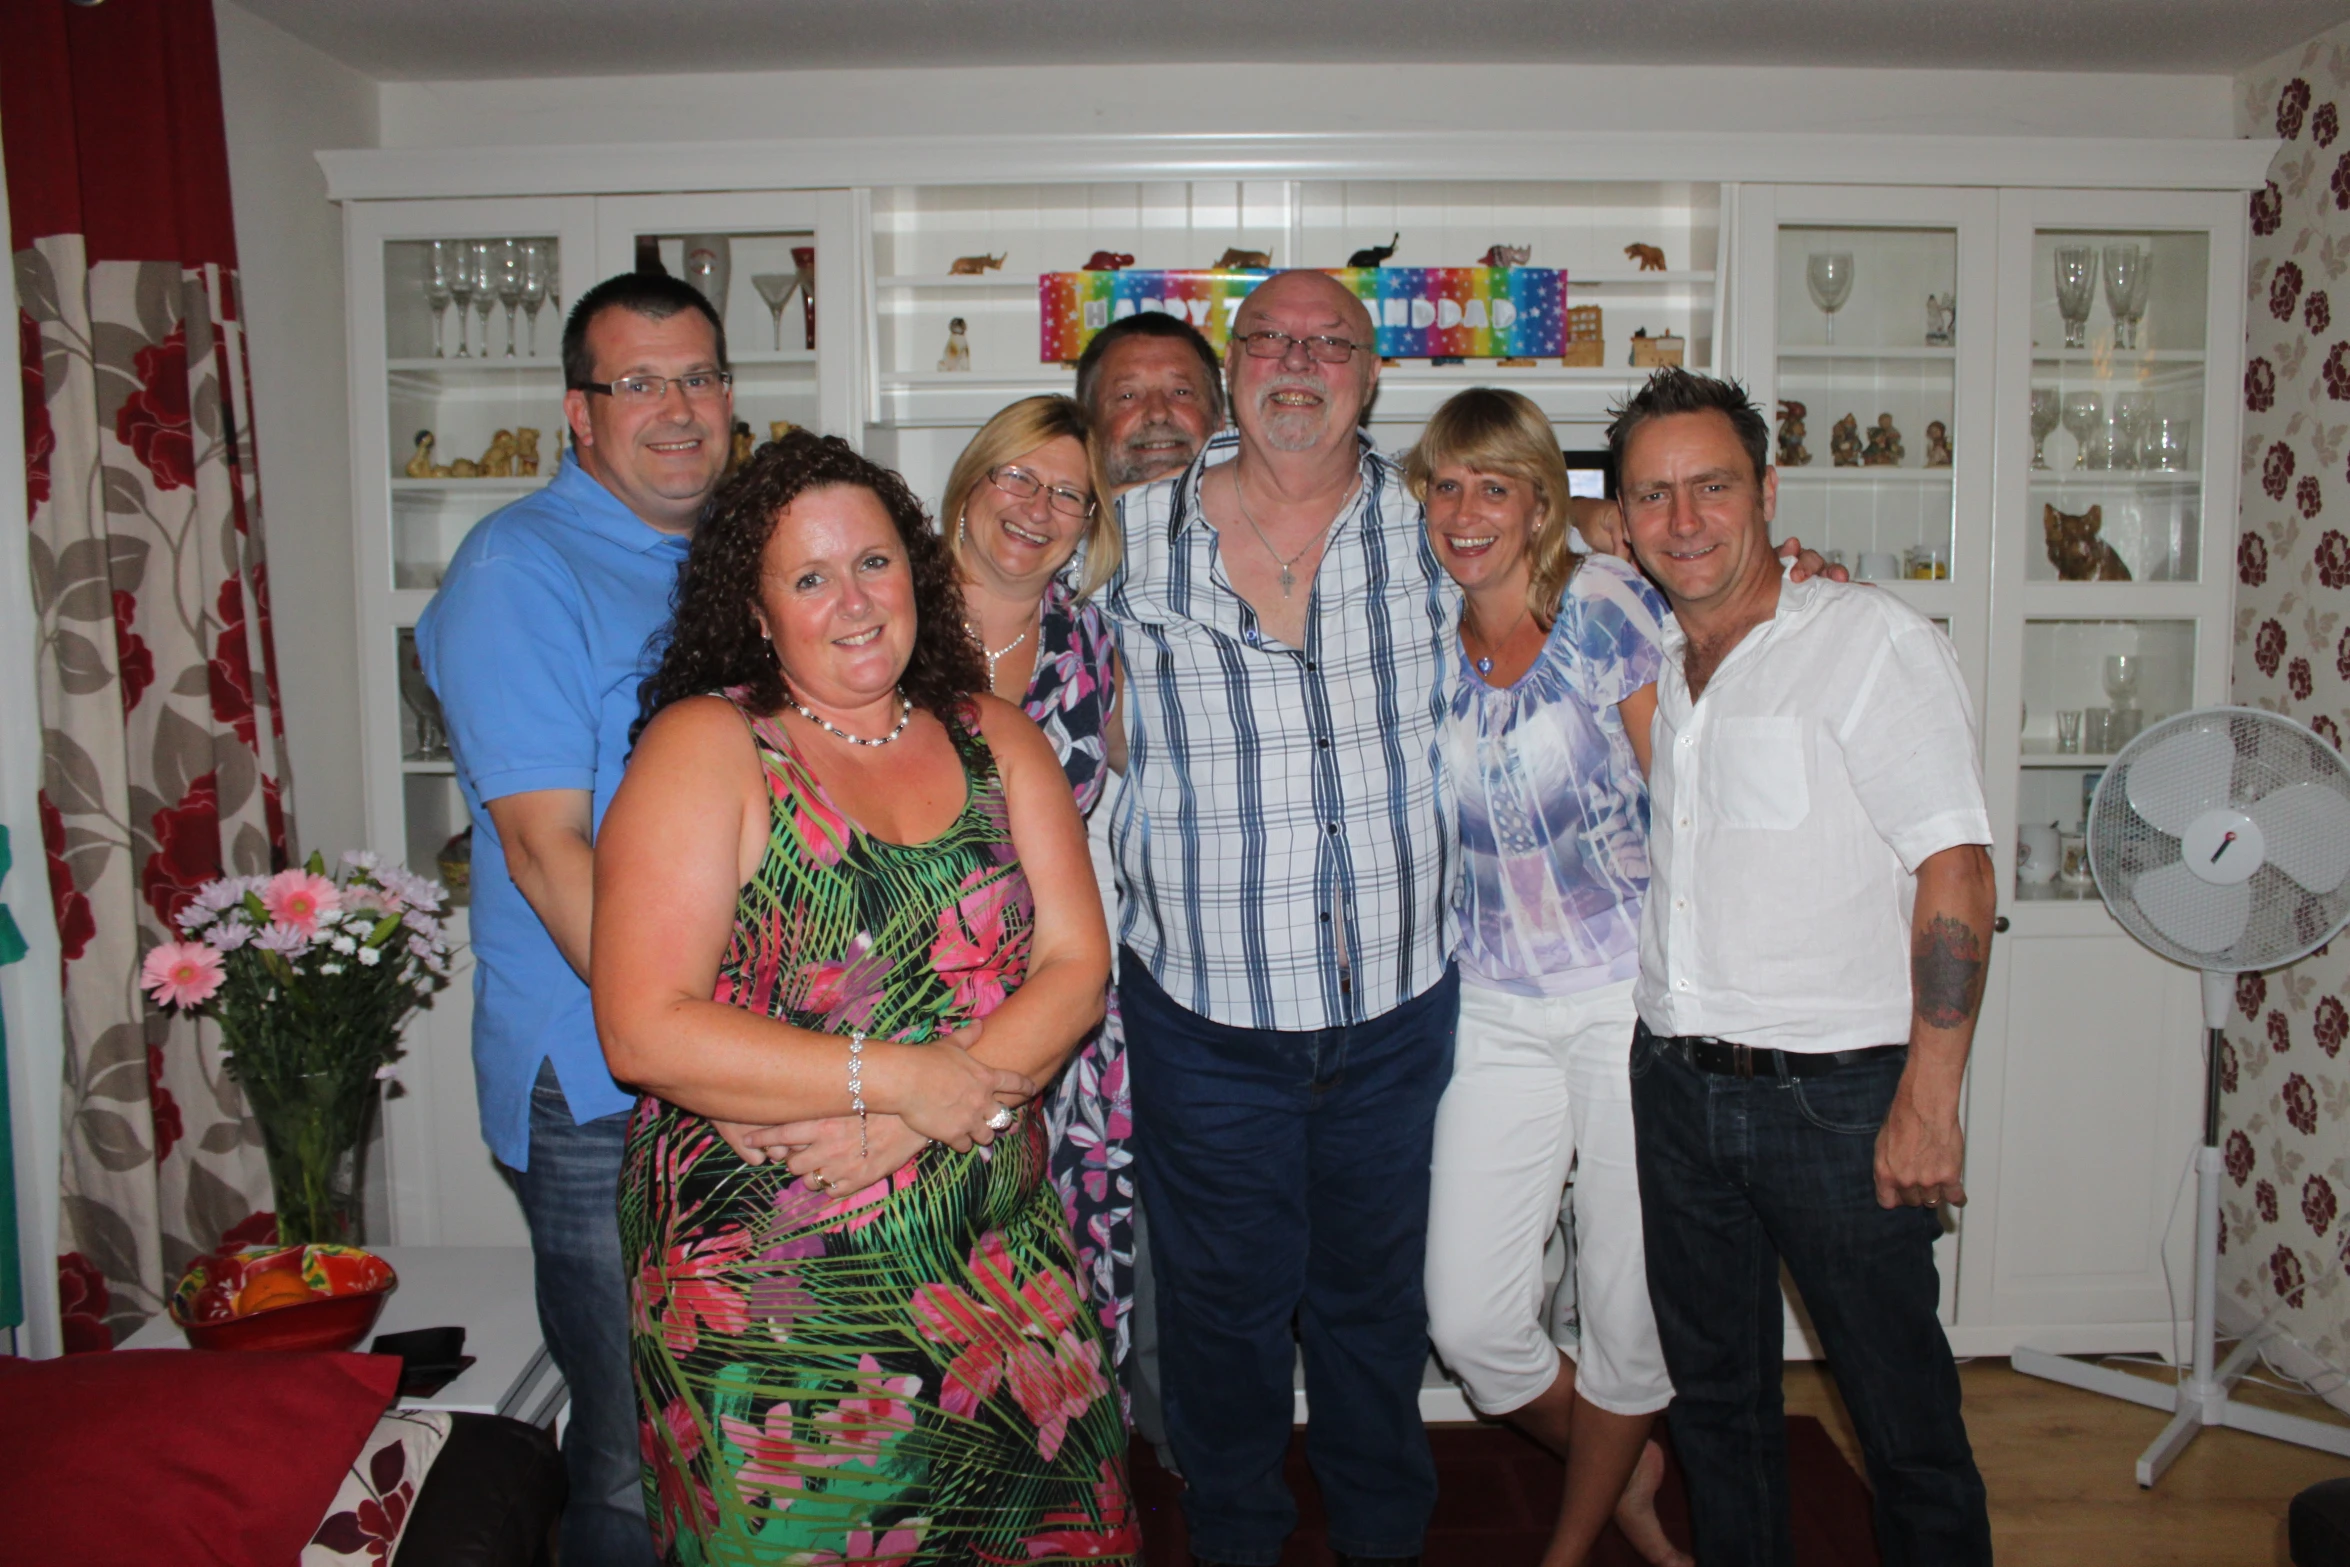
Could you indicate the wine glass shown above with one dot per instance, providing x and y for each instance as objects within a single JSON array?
[
  {"x": 534, "y": 286},
  {"x": 2043, "y": 420},
  {"x": 483, "y": 266},
  {"x": 432, "y": 734},
  {"x": 776, "y": 288},
  {"x": 2129, "y": 428},
  {"x": 2082, "y": 413},
  {"x": 506, "y": 266},
  {"x": 2122, "y": 265},
  {"x": 2121, "y": 683},
  {"x": 437, "y": 271},
  {"x": 1828, "y": 275},
  {"x": 2139, "y": 293},
  {"x": 461, "y": 288},
  {"x": 2076, "y": 288}
]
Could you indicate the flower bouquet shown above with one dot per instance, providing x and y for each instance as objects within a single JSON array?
[{"x": 310, "y": 981}]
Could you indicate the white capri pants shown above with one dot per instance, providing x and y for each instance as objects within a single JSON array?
[{"x": 1539, "y": 1083}]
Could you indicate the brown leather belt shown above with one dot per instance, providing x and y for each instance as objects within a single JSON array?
[{"x": 1726, "y": 1058}]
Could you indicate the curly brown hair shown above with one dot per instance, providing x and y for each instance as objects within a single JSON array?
[{"x": 712, "y": 642}]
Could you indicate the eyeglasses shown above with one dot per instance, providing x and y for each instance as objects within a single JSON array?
[
  {"x": 696, "y": 384},
  {"x": 1276, "y": 345},
  {"x": 1020, "y": 484}
]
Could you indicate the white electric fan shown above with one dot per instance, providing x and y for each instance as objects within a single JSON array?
[{"x": 2220, "y": 839}]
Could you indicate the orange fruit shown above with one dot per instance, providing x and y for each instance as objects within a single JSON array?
[{"x": 268, "y": 1291}]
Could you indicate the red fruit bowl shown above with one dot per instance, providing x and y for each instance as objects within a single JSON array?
[{"x": 348, "y": 1288}]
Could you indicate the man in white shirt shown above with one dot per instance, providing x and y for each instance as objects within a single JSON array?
[{"x": 1812, "y": 956}]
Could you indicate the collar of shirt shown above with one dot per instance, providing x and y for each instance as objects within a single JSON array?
[
  {"x": 1797, "y": 601},
  {"x": 604, "y": 514}
]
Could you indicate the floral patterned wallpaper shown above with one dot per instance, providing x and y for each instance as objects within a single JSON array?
[{"x": 2285, "y": 1237}]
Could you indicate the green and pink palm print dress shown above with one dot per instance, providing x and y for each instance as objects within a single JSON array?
[{"x": 906, "y": 1374}]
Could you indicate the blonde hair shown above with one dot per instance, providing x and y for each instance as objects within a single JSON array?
[
  {"x": 1489, "y": 431},
  {"x": 1015, "y": 432}
]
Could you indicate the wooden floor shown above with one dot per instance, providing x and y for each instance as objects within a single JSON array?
[{"x": 2059, "y": 1465}]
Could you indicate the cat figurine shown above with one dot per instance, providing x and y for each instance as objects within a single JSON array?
[{"x": 2076, "y": 551}]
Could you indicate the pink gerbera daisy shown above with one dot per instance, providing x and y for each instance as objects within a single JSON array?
[
  {"x": 298, "y": 898},
  {"x": 182, "y": 973}
]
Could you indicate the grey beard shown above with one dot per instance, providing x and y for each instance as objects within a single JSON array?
[{"x": 1128, "y": 466}]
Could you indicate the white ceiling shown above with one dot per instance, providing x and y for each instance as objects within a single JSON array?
[{"x": 425, "y": 40}]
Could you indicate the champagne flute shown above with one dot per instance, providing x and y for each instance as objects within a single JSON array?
[
  {"x": 2083, "y": 412},
  {"x": 485, "y": 288},
  {"x": 2044, "y": 414},
  {"x": 1828, "y": 275},
  {"x": 461, "y": 288},
  {"x": 436, "y": 289},
  {"x": 534, "y": 286},
  {"x": 776, "y": 288},
  {"x": 2122, "y": 264},
  {"x": 2076, "y": 287},
  {"x": 506, "y": 265}
]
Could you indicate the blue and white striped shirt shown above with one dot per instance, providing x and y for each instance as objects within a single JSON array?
[{"x": 1283, "y": 856}]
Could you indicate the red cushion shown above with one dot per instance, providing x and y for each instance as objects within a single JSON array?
[{"x": 179, "y": 1455}]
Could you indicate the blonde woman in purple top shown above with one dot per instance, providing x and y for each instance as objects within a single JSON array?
[{"x": 1544, "y": 752}]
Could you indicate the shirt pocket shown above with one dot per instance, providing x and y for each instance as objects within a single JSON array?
[{"x": 1758, "y": 774}]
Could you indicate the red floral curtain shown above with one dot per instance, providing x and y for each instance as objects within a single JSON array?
[{"x": 164, "y": 760}]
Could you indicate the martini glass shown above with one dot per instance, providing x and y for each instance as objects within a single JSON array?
[
  {"x": 776, "y": 288},
  {"x": 1829, "y": 277}
]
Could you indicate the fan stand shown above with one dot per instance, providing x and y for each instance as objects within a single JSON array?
[{"x": 2202, "y": 1400}]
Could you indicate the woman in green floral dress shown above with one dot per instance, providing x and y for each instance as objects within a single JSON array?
[{"x": 810, "y": 891}]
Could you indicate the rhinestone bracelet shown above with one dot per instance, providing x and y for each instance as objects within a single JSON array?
[{"x": 857, "y": 1088}]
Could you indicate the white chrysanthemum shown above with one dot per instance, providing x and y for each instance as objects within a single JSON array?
[
  {"x": 330, "y": 968},
  {"x": 344, "y": 945},
  {"x": 369, "y": 957}
]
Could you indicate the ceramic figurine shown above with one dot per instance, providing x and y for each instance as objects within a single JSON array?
[
  {"x": 1238, "y": 260},
  {"x": 1514, "y": 364},
  {"x": 1375, "y": 255},
  {"x": 1107, "y": 261},
  {"x": 464, "y": 468},
  {"x": 972, "y": 266},
  {"x": 1446, "y": 359},
  {"x": 1884, "y": 447},
  {"x": 1792, "y": 452},
  {"x": 526, "y": 452},
  {"x": 1941, "y": 320},
  {"x": 958, "y": 354},
  {"x": 777, "y": 429},
  {"x": 2076, "y": 551},
  {"x": 1506, "y": 256},
  {"x": 1937, "y": 445},
  {"x": 1844, "y": 442},
  {"x": 420, "y": 465},
  {"x": 740, "y": 448},
  {"x": 1650, "y": 257},
  {"x": 498, "y": 461},
  {"x": 1652, "y": 353}
]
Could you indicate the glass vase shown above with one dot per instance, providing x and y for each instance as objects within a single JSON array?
[{"x": 313, "y": 1125}]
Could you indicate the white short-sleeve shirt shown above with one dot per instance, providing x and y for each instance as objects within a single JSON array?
[{"x": 1832, "y": 753}]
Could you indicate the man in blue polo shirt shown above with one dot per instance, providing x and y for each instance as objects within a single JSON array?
[{"x": 535, "y": 645}]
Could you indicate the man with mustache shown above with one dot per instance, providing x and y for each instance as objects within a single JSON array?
[
  {"x": 1284, "y": 975},
  {"x": 535, "y": 646},
  {"x": 1151, "y": 385}
]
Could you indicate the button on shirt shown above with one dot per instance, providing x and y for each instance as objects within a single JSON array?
[
  {"x": 1282, "y": 854},
  {"x": 535, "y": 645},
  {"x": 1832, "y": 753}
]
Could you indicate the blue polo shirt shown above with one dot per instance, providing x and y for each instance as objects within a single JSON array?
[{"x": 536, "y": 643}]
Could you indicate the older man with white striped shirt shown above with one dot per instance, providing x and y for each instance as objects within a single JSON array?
[{"x": 1285, "y": 864}]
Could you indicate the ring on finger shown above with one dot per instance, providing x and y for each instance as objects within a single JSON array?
[
  {"x": 1002, "y": 1119},
  {"x": 816, "y": 1182}
]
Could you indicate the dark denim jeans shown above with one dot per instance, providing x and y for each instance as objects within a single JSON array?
[
  {"x": 1736, "y": 1175},
  {"x": 571, "y": 1196},
  {"x": 1286, "y": 1176}
]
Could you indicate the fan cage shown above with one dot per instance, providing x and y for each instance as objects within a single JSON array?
[{"x": 2271, "y": 753}]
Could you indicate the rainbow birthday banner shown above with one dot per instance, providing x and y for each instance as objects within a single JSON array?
[{"x": 1421, "y": 312}]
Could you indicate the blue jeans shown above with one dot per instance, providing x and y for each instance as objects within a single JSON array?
[
  {"x": 1286, "y": 1178},
  {"x": 1736, "y": 1176},
  {"x": 571, "y": 1197}
]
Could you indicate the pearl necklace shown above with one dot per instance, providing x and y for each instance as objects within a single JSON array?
[
  {"x": 1007, "y": 649},
  {"x": 905, "y": 716}
]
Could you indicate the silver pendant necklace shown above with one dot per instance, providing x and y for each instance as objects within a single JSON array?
[
  {"x": 1288, "y": 578},
  {"x": 1007, "y": 649},
  {"x": 905, "y": 716},
  {"x": 1485, "y": 662}
]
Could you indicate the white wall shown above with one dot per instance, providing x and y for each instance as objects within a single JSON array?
[
  {"x": 1227, "y": 98},
  {"x": 284, "y": 100}
]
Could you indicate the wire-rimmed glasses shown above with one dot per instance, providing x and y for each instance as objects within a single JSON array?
[
  {"x": 696, "y": 384},
  {"x": 1022, "y": 485},
  {"x": 1276, "y": 345}
]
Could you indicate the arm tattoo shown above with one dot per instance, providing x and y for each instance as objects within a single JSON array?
[{"x": 1946, "y": 972}]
